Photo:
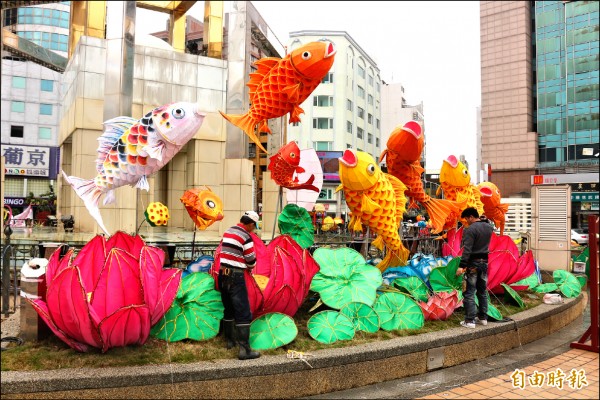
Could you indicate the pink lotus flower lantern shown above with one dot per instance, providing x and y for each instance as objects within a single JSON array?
[
  {"x": 110, "y": 295},
  {"x": 440, "y": 306}
]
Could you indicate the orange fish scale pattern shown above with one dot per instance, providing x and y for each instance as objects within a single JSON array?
[
  {"x": 269, "y": 101},
  {"x": 384, "y": 220}
]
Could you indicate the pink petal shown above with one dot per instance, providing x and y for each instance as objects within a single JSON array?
[
  {"x": 282, "y": 301},
  {"x": 255, "y": 295},
  {"x": 151, "y": 263},
  {"x": 452, "y": 247},
  {"x": 525, "y": 267},
  {"x": 42, "y": 310},
  {"x": 128, "y": 325},
  {"x": 119, "y": 284},
  {"x": 502, "y": 260},
  {"x": 90, "y": 261},
  {"x": 276, "y": 278},
  {"x": 57, "y": 264},
  {"x": 214, "y": 269},
  {"x": 68, "y": 307},
  {"x": 122, "y": 240},
  {"x": 169, "y": 285},
  {"x": 263, "y": 256}
]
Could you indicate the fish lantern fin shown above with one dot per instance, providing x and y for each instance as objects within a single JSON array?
[
  {"x": 265, "y": 127},
  {"x": 399, "y": 189},
  {"x": 110, "y": 197},
  {"x": 503, "y": 207},
  {"x": 155, "y": 150},
  {"x": 368, "y": 206},
  {"x": 462, "y": 197},
  {"x": 300, "y": 170},
  {"x": 378, "y": 242},
  {"x": 113, "y": 130},
  {"x": 417, "y": 170},
  {"x": 357, "y": 225},
  {"x": 438, "y": 191},
  {"x": 264, "y": 67},
  {"x": 293, "y": 93},
  {"x": 340, "y": 187},
  {"x": 383, "y": 154},
  {"x": 143, "y": 184},
  {"x": 295, "y": 114}
]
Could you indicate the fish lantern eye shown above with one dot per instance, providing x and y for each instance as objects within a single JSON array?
[
  {"x": 465, "y": 172},
  {"x": 210, "y": 204},
  {"x": 371, "y": 169},
  {"x": 306, "y": 55},
  {"x": 178, "y": 113},
  {"x": 497, "y": 191},
  {"x": 293, "y": 155}
]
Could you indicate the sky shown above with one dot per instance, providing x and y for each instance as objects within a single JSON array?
[{"x": 431, "y": 47}]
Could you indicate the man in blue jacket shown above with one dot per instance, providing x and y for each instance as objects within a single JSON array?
[{"x": 474, "y": 264}]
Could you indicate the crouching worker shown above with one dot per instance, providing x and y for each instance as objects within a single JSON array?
[{"x": 237, "y": 255}]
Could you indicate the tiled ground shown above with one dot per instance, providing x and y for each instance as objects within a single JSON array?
[{"x": 583, "y": 363}]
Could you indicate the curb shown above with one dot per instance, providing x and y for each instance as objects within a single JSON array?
[{"x": 279, "y": 377}]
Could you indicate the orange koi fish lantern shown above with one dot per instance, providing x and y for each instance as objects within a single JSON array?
[
  {"x": 203, "y": 205},
  {"x": 377, "y": 200},
  {"x": 280, "y": 85},
  {"x": 492, "y": 208},
  {"x": 284, "y": 164},
  {"x": 403, "y": 152}
]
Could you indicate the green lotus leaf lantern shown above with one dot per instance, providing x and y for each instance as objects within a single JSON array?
[
  {"x": 444, "y": 279},
  {"x": 531, "y": 281},
  {"x": 398, "y": 311},
  {"x": 493, "y": 312},
  {"x": 344, "y": 277},
  {"x": 362, "y": 316},
  {"x": 545, "y": 288},
  {"x": 582, "y": 280},
  {"x": 196, "y": 312},
  {"x": 296, "y": 222},
  {"x": 414, "y": 286},
  {"x": 514, "y": 296},
  {"x": 567, "y": 283},
  {"x": 271, "y": 331},
  {"x": 330, "y": 326}
]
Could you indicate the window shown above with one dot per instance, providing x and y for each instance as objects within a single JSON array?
[
  {"x": 328, "y": 78},
  {"x": 46, "y": 85},
  {"x": 361, "y": 72},
  {"x": 348, "y": 126},
  {"x": 377, "y": 123},
  {"x": 377, "y": 141},
  {"x": 361, "y": 92},
  {"x": 348, "y": 105},
  {"x": 45, "y": 109},
  {"x": 359, "y": 133},
  {"x": 322, "y": 146},
  {"x": 295, "y": 123},
  {"x": 370, "y": 99},
  {"x": 17, "y": 106},
  {"x": 370, "y": 138},
  {"x": 377, "y": 104},
  {"x": 326, "y": 194},
  {"x": 322, "y": 123},
  {"x": 370, "y": 119},
  {"x": 370, "y": 80},
  {"x": 18, "y": 82},
  {"x": 16, "y": 131},
  {"x": 361, "y": 112},
  {"x": 45, "y": 133},
  {"x": 377, "y": 86},
  {"x": 323, "y": 101},
  {"x": 416, "y": 115},
  {"x": 348, "y": 146}
]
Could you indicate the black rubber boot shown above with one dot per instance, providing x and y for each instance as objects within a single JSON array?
[
  {"x": 246, "y": 352},
  {"x": 229, "y": 333}
]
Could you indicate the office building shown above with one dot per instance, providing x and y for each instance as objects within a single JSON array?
[{"x": 540, "y": 95}]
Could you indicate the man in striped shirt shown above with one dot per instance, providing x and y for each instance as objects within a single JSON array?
[{"x": 236, "y": 256}]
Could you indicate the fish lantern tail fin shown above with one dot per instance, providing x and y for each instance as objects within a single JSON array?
[
  {"x": 394, "y": 258},
  {"x": 87, "y": 190},
  {"x": 246, "y": 123},
  {"x": 439, "y": 210}
]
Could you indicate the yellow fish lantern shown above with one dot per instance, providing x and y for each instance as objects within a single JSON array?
[
  {"x": 203, "y": 205},
  {"x": 455, "y": 181},
  {"x": 377, "y": 200},
  {"x": 492, "y": 207}
]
